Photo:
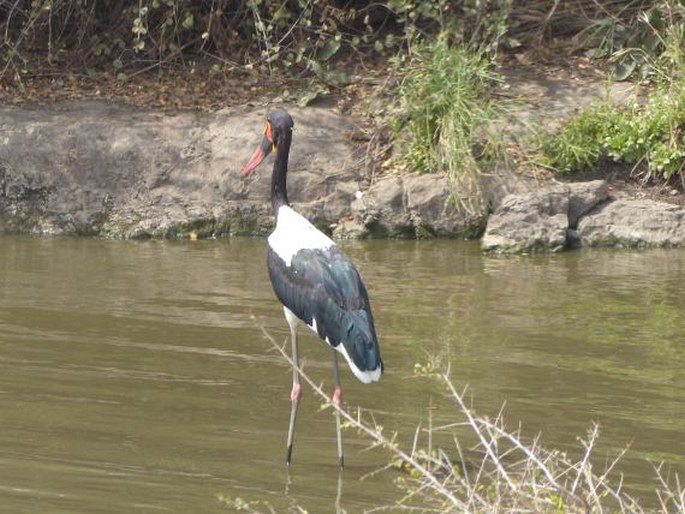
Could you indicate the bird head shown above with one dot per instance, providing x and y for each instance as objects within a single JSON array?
[{"x": 277, "y": 130}]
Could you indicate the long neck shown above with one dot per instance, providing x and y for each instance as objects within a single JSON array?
[{"x": 279, "y": 193}]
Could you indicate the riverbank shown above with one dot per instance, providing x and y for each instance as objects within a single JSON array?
[{"x": 156, "y": 164}]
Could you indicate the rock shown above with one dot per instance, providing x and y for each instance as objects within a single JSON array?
[
  {"x": 349, "y": 228},
  {"x": 634, "y": 223},
  {"x": 583, "y": 197},
  {"x": 382, "y": 210},
  {"x": 541, "y": 220},
  {"x": 413, "y": 205},
  {"x": 528, "y": 222},
  {"x": 580, "y": 214},
  {"x": 431, "y": 210},
  {"x": 117, "y": 171},
  {"x": 103, "y": 169}
]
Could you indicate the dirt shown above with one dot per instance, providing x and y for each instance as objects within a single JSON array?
[{"x": 178, "y": 90}]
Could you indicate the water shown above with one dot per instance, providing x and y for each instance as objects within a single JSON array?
[{"x": 134, "y": 376}]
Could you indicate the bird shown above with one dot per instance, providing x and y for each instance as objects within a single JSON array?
[{"x": 315, "y": 281}]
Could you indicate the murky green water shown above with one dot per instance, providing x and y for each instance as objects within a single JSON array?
[{"x": 134, "y": 379}]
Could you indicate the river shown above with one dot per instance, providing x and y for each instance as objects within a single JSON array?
[{"x": 134, "y": 376}]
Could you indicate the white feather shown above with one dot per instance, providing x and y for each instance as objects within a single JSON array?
[
  {"x": 294, "y": 233},
  {"x": 290, "y": 317},
  {"x": 363, "y": 376}
]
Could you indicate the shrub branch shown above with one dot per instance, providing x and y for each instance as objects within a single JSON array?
[{"x": 512, "y": 476}]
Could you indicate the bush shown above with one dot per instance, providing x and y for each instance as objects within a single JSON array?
[
  {"x": 511, "y": 475},
  {"x": 653, "y": 134},
  {"x": 121, "y": 35},
  {"x": 649, "y": 135},
  {"x": 579, "y": 144},
  {"x": 446, "y": 112}
]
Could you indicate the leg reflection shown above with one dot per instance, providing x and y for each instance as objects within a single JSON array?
[
  {"x": 338, "y": 497},
  {"x": 289, "y": 490}
]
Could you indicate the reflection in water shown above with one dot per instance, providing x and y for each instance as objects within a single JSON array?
[{"x": 133, "y": 378}]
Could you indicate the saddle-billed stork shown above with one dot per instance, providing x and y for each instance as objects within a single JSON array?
[{"x": 314, "y": 280}]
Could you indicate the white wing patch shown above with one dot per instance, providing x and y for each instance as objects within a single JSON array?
[
  {"x": 294, "y": 233},
  {"x": 365, "y": 377}
]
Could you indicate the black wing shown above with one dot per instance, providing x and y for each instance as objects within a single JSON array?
[{"x": 324, "y": 289}]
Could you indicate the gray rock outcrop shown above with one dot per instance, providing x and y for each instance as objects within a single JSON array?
[
  {"x": 114, "y": 171},
  {"x": 542, "y": 220},
  {"x": 634, "y": 223},
  {"x": 412, "y": 205},
  {"x": 108, "y": 170},
  {"x": 581, "y": 214}
]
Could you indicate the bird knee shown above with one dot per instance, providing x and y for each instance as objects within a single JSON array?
[
  {"x": 337, "y": 395},
  {"x": 296, "y": 393}
]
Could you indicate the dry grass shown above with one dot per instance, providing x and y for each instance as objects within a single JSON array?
[{"x": 513, "y": 476}]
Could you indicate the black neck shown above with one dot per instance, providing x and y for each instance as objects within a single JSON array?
[{"x": 279, "y": 193}]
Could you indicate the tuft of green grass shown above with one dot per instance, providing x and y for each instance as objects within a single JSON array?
[
  {"x": 650, "y": 133},
  {"x": 445, "y": 96},
  {"x": 579, "y": 144},
  {"x": 653, "y": 134}
]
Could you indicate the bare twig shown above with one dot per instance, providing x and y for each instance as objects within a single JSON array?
[
  {"x": 512, "y": 476},
  {"x": 375, "y": 435}
]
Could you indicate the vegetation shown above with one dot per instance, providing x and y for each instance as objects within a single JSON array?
[
  {"x": 649, "y": 134},
  {"x": 445, "y": 101},
  {"x": 649, "y": 137},
  {"x": 512, "y": 475},
  {"x": 443, "y": 51},
  {"x": 448, "y": 109},
  {"x": 128, "y": 36}
]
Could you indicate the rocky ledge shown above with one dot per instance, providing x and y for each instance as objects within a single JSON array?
[
  {"x": 116, "y": 171},
  {"x": 563, "y": 216}
]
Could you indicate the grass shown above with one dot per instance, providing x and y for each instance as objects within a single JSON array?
[
  {"x": 512, "y": 476},
  {"x": 648, "y": 134},
  {"x": 446, "y": 106},
  {"x": 650, "y": 137},
  {"x": 579, "y": 144}
]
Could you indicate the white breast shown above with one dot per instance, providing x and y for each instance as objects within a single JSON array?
[{"x": 294, "y": 233}]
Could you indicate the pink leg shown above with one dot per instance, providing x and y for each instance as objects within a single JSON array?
[
  {"x": 337, "y": 395},
  {"x": 295, "y": 394}
]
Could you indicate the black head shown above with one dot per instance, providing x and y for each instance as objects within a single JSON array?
[
  {"x": 281, "y": 122},
  {"x": 277, "y": 133}
]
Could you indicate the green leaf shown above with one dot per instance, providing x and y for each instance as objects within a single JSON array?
[
  {"x": 188, "y": 21},
  {"x": 309, "y": 96},
  {"x": 316, "y": 67},
  {"x": 624, "y": 69},
  {"x": 329, "y": 49}
]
